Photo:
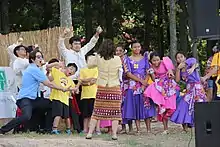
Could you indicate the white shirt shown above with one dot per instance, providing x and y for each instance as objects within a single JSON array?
[
  {"x": 71, "y": 56},
  {"x": 11, "y": 55},
  {"x": 19, "y": 66},
  {"x": 46, "y": 90}
]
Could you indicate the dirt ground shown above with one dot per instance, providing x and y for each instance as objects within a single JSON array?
[{"x": 176, "y": 138}]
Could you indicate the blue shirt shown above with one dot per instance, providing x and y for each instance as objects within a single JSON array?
[{"x": 31, "y": 79}]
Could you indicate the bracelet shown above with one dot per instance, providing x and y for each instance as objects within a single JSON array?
[{"x": 89, "y": 83}]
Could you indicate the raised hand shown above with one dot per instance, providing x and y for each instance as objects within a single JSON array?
[{"x": 99, "y": 30}]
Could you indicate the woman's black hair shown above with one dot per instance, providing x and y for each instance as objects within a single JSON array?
[
  {"x": 107, "y": 49},
  {"x": 32, "y": 55},
  {"x": 135, "y": 41},
  {"x": 180, "y": 52},
  {"x": 154, "y": 54}
]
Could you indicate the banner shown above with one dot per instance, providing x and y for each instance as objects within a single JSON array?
[{"x": 8, "y": 91}]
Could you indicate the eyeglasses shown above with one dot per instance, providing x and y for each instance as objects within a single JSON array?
[{"x": 39, "y": 57}]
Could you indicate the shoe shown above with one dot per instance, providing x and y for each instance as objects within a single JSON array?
[
  {"x": 56, "y": 132},
  {"x": 89, "y": 136},
  {"x": 98, "y": 133},
  {"x": 165, "y": 132},
  {"x": 1, "y": 132},
  {"x": 68, "y": 132},
  {"x": 114, "y": 138}
]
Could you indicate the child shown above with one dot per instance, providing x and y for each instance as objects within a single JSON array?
[
  {"x": 60, "y": 100},
  {"x": 163, "y": 90},
  {"x": 88, "y": 79},
  {"x": 136, "y": 106},
  {"x": 187, "y": 71}
]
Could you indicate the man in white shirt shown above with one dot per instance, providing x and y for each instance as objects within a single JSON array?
[
  {"x": 20, "y": 63},
  {"x": 76, "y": 53},
  {"x": 10, "y": 51}
]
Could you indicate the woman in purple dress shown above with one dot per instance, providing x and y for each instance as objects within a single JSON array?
[
  {"x": 187, "y": 71},
  {"x": 136, "y": 106}
]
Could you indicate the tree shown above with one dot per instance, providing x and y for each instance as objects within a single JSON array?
[
  {"x": 65, "y": 13},
  {"x": 173, "y": 38},
  {"x": 4, "y": 18}
]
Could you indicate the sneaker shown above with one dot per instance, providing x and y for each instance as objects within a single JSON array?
[
  {"x": 98, "y": 133},
  {"x": 165, "y": 132},
  {"x": 68, "y": 132},
  {"x": 1, "y": 132},
  {"x": 55, "y": 132}
]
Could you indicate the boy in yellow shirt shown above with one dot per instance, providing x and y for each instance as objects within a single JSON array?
[
  {"x": 87, "y": 78},
  {"x": 60, "y": 100}
]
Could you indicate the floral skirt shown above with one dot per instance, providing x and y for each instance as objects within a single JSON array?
[{"x": 107, "y": 103}]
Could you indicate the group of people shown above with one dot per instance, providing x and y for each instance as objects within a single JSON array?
[{"x": 106, "y": 88}]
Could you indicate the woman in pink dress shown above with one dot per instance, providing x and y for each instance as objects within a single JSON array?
[{"x": 163, "y": 90}]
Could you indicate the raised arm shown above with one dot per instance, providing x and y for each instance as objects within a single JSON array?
[
  {"x": 91, "y": 44},
  {"x": 61, "y": 44}
]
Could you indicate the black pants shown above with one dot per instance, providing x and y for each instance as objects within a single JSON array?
[
  {"x": 78, "y": 97},
  {"x": 27, "y": 106}
]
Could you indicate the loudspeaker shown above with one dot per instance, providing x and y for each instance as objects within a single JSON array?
[
  {"x": 204, "y": 19},
  {"x": 207, "y": 124}
]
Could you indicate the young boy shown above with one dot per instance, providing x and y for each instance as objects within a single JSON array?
[
  {"x": 60, "y": 100},
  {"x": 87, "y": 78}
]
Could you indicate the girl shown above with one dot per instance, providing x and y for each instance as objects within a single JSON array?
[
  {"x": 136, "y": 68},
  {"x": 186, "y": 71},
  {"x": 163, "y": 90},
  {"x": 120, "y": 51}
]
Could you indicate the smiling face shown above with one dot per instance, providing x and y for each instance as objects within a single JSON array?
[
  {"x": 136, "y": 48},
  {"x": 119, "y": 51},
  {"x": 76, "y": 46},
  {"x": 21, "y": 52},
  {"x": 180, "y": 58},
  {"x": 155, "y": 61}
]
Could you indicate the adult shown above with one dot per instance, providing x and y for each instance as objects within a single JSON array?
[
  {"x": 10, "y": 51},
  {"x": 108, "y": 100},
  {"x": 20, "y": 63},
  {"x": 27, "y": 97},
  {"x": 214, "y": 73},
  {"x": 76, "y": 53}
]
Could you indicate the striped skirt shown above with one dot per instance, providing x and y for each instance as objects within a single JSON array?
[{"x": 107, "y": 103}]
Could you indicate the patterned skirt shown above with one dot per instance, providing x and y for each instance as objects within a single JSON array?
[{"x": 107, "y": 103}]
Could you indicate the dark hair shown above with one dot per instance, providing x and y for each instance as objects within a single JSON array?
[
  {"x": 17, "y": 48},
  {"x": 154, "y": 54},
  {"x": 32, "y": 55},
  {"x": 74, "y": 39},
  {"x": 72, "y": 65},
  {"x": 107, "y": 49},
  {"x": 120, "y": 45},
  {"x": 179, "y": 52},
  {"x": 53, "y": 60},
  {"x": 135, "y": 41},
  {"x": 30, "y": 48},
  {"x": 89, "y": 54}
]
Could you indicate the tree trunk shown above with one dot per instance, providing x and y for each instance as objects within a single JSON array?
[
  {"x": 4, "y": 17},
  {"x": 166, "y": 19},
  {"x": 183, "y": 27},
  {"x": 173, "y": 38},
  {"x": 65, "y": 13},
  {"x": 194, "y": 49},
  {"x": 160, "y": 28},
  {"x": 88, "y": 19},
  {"x": 109, "y": 18},
  {"x": 147, "y": 22}
]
